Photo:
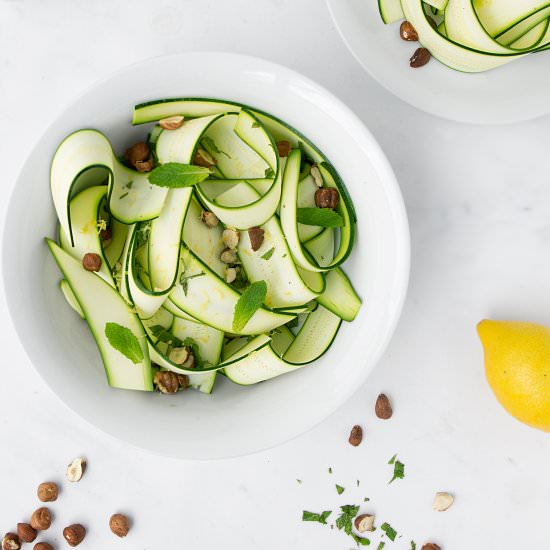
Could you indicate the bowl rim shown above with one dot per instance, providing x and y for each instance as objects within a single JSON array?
[{"x": 389, "y": 183}]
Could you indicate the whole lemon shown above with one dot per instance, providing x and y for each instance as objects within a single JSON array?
[{"x": 517, "y": 366}]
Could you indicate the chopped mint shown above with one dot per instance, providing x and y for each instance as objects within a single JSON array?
[
  {"x": 269, "y": 173},
  {"x": 299, "y": 481},
  {"x": 358, "y": 483},
  {"x": 210, "y": 145},
  {"x": 184, "y": 280},
  {"x": 165, "y": 336},
  {"x": 392, "y": 459},
  {"x": 255, "y": 125},
  {"x": 176, "y": 175},
  {"x": 330, "y": 470},
  {"x": 345, "y": 519},
  {"x": 361, "y": 541},
  {"x": 249, "y": 302},
  {"x": 268, "y": 254},
  {"x": 323, "y": 217},
  {"x": 319, "y": 518},
  {"x": 398, "y": 471},
  {"x": 129, "y": 184},
  {"x": 124, "y": 195},
  {"x": 381, "y": 545},
  {"x": 366, "y": 499},
  {"x": 413, "y": 545},
  {"x": 389, "y": 530},
  {"x": 125, "y": 341},
  {"x": 340, "y": 489}
]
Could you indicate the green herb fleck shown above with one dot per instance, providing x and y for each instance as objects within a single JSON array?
[
  {"x": 184, "y": 280},
  {"x": 366, "y": 499},
  {"x": 330, "y": 470},
  {"x": 255, "y": 125},
  {"x": 268, "y": 254},
  {"x": 210, "y": 145},
  {"x": 361, "y": 541},
  {"x": 392, "y": 459},
  {"x": 291, "y": 324},
  {"x": 381, "y": 545},
  {"x": 129, "y": 184},
  {"x": 164, "y": 335},
  {"x": 345, "y": 519},
  {"x": 175, "y": 175},
  {"x": 319, "y": 518},
  {"x": 358, "y": 483},
  {"x": 194, "y": 347},
  {"x": 389, "y": 530},
  {"x": 299, "y": 481},
  {"x": 323, "y": 217},
  {"x": 249, "y": 302},
  {"x": 124, "y": 340},
  {"x": 269, "y": 173},
  {"x": 124, "y": 195},
  {"x": 340, "y": 489},
  {"x": 398, "y": 471},
  {"x": 413, "y": 545}
]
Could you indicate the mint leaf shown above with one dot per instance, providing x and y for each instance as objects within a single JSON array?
[
  {"x": 175, "y": 175},
  {"x": 389, "y": 530},
  {"x": 165, "y": 336},
  {"x": 249, "y": 302},
  {"x": 392, "y": 459},
  {"x": 269, "y": 173},
  {"x": 361, "y": 541},
  {"x": 268, "y": 254},
  {"x": 125, "y": 341},
  {"x": 340, "y": 489},
  {"x": 398, "y": 471},
  {"x": 194, "y": 347},
  {"x": 323, "y": 217},
  {"x": 312, "y": 516},
  {"x": 345, "y": 519}
]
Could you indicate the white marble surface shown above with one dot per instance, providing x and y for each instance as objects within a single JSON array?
[{"x": 478, "y": 203}]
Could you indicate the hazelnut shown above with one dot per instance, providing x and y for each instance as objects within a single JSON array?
[
  {"x": 47, "y": 492},
  {"x": 11, "y": 542},
  {"x": 419, "y": 58},
  {"x": 327, "y": 197},
  {"x": 26, "y": 532},
  {"x": 139, "y": 152},
  {"x": 431, "y": 546},
  {"x": 91, "y": 261},
  {"x": 383, "y": 408},
  {"x": 256, "y": 236},
  {"x": 119, "y": 525},
  {"x": 443, "y": 501},
  {"x": 230, "y": 238},
  {"x": 229, "y": 256},
  {"x": 190, "y": 363},
  {"x": 230, "y": 275},
  {"x": 43, "y": 546},
  {"x": 183, "y": 379},
  {"x": 172, "y": 122},
  {"x": 74, "y": 534},
  {"x": 364, "y": 523},
  {"x": 166, "y": 381},
  {"x": 41, "y": 519},
  {"x": 283, "y": 148},
  {"x": 203, "y": 158},
  {"x": 209, "y": 218},
  {"x": 356, "y": 435},
  {"x": 316, "y": 175},
  {"x": 106, "y": 236},
  {"x": 178, "y": 355},
  {"x": 408, "y": 32},
  {"x": 76, "y": 469},
  {"x": 145, "y": 165}
]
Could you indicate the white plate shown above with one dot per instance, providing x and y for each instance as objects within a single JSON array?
[
  {"x": 234, "y": 420},
  {"x": 515, "y": 92}
]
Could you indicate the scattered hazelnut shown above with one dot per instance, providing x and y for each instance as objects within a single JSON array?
[
  {"x": 166, "y": 381},
  {"x": 316, "y": 175},
  {"x": 11, "y": 542},
  {"x": 47, "y": 492},
  {"x": 408, "y": 32},
  {"x": 443, "y": 501},
  {"x": 383, "y": 408},
  {"x": 139, "y": 152},
  {"x": 179, "y": 355},
  {"x": 171, "y": 122},
  {"x": 431, "y": 546},
  {"x": 209, "y": 219},
  {"x": 190, "y": 363},
  {"x": 256, "y": 236},
  {"x": 183, "y": 380},
  {"x": 203, "y": 158},
  {"x": 26, "y": 532},
  {"x": 356, "y": 435},
  {"x": 119, "y": 525},
  {"x": 145, "y": 165},
  {"x": 76, "y": 469},
  {"x": 106, "y": 236},
  {"x": 364, "y": 523},
  {"x": 41, "y": 519},
  {"x": 283, "y": 148},
  {"x": 230, "y": 238},
  {"x": 419, "y": 58},
  {"x": 74, "y": 534},
  {"x": 230, "y": 275},
  {"x": 43, "y": 546},
  {"x": 91, "y": 261},
  {"x": 327, "y": 197},
  {"x": 229, "y": 256}
]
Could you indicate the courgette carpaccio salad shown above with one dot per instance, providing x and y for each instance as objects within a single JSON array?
[{"x": 214, "y": 246}]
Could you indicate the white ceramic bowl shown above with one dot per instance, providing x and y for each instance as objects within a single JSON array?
[{"x": 234, "y": 420}]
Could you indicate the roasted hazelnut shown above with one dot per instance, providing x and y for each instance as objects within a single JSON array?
[
  {"x": 166, "y": 381},
  {"x": 431, "y": 546},
  {"x": 172, "y": 122},
  {"x": 383, "y": 408},
  {"x": 229, "y": 256},
  {"x": 419, "y": 58},
  {"x": 119, "y": 525},
  {"x": 41, "y": 519},
  {"x": 230, "y": 275},
  {"x": 74, "y": 534},
  {"x": 43, "y": 546},
  {"x": 26, "y": 532},
  {"x": 364, "y": 523},
  {"x": 189, "y": 364},
  {"x": 316, "y": 175},
  {"x": 11, "y": 542},
  {"x": 327, "y": 197},
  {"x": 139, "y": 152},
  {"x": 106, "y": 236},
  {"x": 356, "y": 435},
  {"x": 283, "y": 148},
  {"x": 179, "y": 355},
  {"x": 47, "y": 492},
  {"x": 91, "y": 261},
  {"x": 230, "y": 238},
  {"x": 443, "y": 501},
  {"x": 145, "y": 165},
  {"x": 209, "y": 219},
  {"x": 76, "y": 469},
  {"x": 183, "y": 380},
  {"x": 408, "y": 32},
  {"x": 203, "y": 158},
  {"x": 256, "y": 236}
]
